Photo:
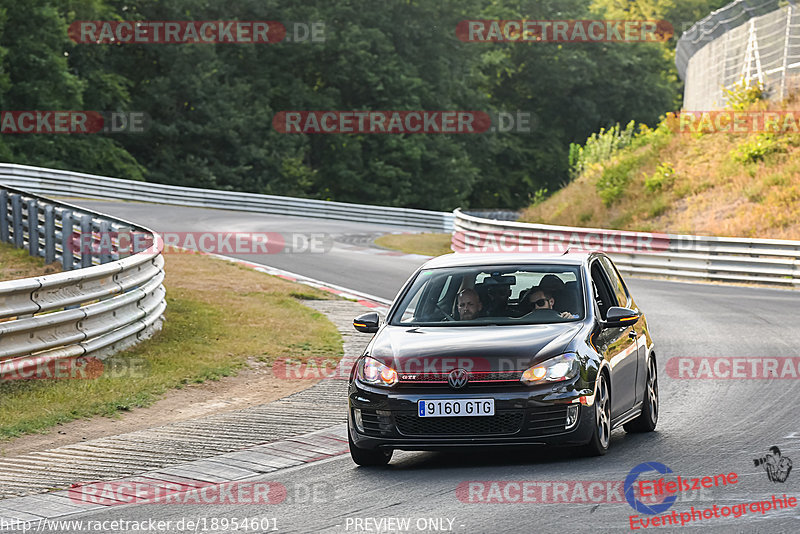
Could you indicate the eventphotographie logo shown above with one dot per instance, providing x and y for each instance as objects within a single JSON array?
[
  {"x": 777, "y": 466},
  {"x": 634, "y": 501}
]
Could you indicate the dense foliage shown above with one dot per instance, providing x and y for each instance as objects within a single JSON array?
[{"x": 211, "y": 106}]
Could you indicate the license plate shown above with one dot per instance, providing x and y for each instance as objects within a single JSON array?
[{"x": 455, "y": 407}]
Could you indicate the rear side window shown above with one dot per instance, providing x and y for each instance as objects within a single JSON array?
[{"x": 617, "y": 285}]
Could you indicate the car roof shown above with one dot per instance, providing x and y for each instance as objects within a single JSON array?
[{"x": 466, "y": 259}]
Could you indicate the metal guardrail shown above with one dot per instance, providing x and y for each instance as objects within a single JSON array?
[
  {"x": 65, "y": 183},
  {"x": 100, "y": 304},
  {"x": 727, "y": 259}
]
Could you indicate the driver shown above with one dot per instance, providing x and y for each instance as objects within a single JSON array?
[
  {"x": 542, "y": 299},
  {"x": 469, "y": 304}
]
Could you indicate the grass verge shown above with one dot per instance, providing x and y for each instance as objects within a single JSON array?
[
  {"x": 219, "y": 316},
  {"x": 423, "y": 244}
]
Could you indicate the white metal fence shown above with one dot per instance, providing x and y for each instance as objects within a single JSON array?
[
  {"x": 65, "y": 183},
  {"x": 108, "y": 297},
  {"x": 747, "y": 40},
  {"x": 687, "y": 257}
]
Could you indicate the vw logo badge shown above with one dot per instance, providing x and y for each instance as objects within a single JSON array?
[{"x": 458, "y": 378}]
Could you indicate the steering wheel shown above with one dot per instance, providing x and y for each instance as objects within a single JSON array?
[
  {"x": 447, "y": 316},
  {"x": 545, "y": 313}
]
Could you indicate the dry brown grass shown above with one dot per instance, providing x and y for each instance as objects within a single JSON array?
[
  {"x": 220, "y": 317},
  {"x": 424, "y": 244},
  {"x": 15, "y": 263}
]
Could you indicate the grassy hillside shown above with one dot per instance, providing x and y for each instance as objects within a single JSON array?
[{"x": 712, "y": 184}]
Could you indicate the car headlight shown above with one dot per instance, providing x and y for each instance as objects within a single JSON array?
[
  {"x": 562, "y": 367},
  {"x": 371, "y": 371}
]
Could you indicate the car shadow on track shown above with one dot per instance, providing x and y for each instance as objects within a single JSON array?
[{"x": 621, "y": 444}]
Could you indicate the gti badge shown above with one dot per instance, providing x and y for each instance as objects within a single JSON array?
[{"x": 458, "y": 378}]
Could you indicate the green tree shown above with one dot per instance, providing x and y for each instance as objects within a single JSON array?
[{"x": 37, "y": 75}]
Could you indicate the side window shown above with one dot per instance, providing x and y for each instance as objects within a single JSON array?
[
  {"x": 616, "y": 282},
  {"x": 603, "y": 294},
  {"x": 413, "y": 311}
]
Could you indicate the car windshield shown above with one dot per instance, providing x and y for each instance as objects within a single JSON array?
[{"x": 471, "y": 296}]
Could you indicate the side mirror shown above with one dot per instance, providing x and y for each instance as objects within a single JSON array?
[
  {"x": 618, "y": 316},
  {"x": 367, "y": 323}
]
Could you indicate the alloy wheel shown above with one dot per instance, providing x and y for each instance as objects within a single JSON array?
[{"x": 603, "y": 414}]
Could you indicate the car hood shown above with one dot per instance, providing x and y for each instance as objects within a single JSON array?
[{"x": 485, "y": 348}]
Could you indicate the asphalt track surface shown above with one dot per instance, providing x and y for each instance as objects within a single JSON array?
[
  {"x": 706, "y": 426},
  {"x": 379, "y": 275}
]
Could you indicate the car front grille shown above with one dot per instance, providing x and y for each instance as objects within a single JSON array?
[
  {"x": 501, "y": 423},
  {"x": 476, "y": 378},
  {"x": 374, "y": 423},
  {"x": 547, "y": 420}
]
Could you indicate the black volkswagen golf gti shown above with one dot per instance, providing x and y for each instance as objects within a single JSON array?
[{"x": 503, "y": 349}]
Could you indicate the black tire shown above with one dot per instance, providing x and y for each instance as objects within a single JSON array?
[
  {"x": 601, "y": 434},
  {"x": 368, "y": 457},
  {"x": 646, "y": 422}
]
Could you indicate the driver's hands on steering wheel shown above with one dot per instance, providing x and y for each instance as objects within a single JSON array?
[{"x": 447, "y": 316}]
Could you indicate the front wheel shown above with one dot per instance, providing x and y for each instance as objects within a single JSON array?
[
  {"x": 598, "y": 444},
  {"x": 368, "y": 457},
  {"x": 646, "y": 422}
]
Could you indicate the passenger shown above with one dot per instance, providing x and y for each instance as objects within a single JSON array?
[
  {"x": 542, "y": 299},
  {"x": 469, "y": 304}
]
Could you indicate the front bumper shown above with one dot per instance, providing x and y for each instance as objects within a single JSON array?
[{"x": 523, "y": 416}]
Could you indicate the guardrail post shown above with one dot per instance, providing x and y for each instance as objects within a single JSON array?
[
  {"x": 125, "y": 241},
  {"x": 4, "y": 216},
  {"x": 106, "y": 247},
  {"x": 16, "y": 219},
  {"x": 67, "y": 262},
  {"x": 33, "y": 227},
  {"x": 49, "y": 234},
  {"x": 796, "y": 275},
  {"x": 86, "y": 242}
]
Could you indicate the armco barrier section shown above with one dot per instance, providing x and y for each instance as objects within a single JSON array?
[
  {"x": 726, "y": 259},
  {"x": 65, "y": 183},
  {"x": 100, "y": 304}
]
